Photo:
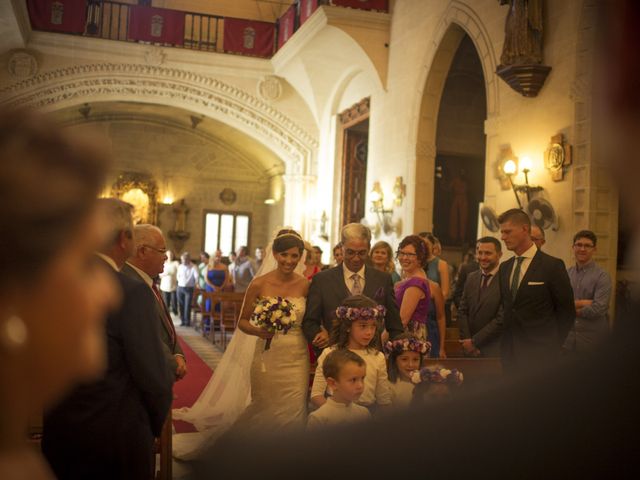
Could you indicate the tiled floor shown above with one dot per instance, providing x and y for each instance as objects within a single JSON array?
[{"x": 209, "y": 353}]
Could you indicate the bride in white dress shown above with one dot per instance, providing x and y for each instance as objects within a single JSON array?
[{"x": 254, "y": 388}]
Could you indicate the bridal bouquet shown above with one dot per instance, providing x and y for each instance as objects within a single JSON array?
[{"x": 275, "y": 314}]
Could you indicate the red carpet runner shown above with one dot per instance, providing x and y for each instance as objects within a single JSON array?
[{"x": 187, "y": 391}]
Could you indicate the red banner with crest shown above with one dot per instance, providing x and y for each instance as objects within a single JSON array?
[
  {"x": 287, "y": 23},
  {"x": 249, "y": 37},
  {"x": 158, "y": 25},
  {"x": 67, "y": 16}
]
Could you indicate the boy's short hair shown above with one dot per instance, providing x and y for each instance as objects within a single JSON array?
[{"x": 337, "y": 359}]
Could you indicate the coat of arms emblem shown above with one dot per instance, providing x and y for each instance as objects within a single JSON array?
[
  {"x": 57, "y": 12},
  {"x": 249, "y": 38},
  {"x": 157, "y": 22}
]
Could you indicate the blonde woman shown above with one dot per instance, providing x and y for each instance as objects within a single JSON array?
[{"x": 381, "y": 256}]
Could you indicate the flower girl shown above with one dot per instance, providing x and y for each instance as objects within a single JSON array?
[
  {"x": 345, "y": 372},
  {"x": 405, "y": 357},
  {"x": 359, "y": 319}
]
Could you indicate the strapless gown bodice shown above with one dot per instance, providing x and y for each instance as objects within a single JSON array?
[{"x": 280, "y": 379}]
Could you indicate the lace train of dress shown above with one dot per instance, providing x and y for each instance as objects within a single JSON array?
[{"x": 250, "y": 388}]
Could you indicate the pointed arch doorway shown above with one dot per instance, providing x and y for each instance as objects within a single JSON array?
[{"x": 460, "y": 149}]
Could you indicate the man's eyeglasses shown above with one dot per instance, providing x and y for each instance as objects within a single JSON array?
[
  {"x": 405, "y": 254},
  {"x": 159, "y": 250},
  {"x": 586, "y": 246},
  {"x": 352, "y": 253}
]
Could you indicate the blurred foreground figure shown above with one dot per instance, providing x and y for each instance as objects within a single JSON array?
[
  {"x": 54, "y": 294},
  {"x": 105, "y": 429},
  {"x": 576, "y": 420}
]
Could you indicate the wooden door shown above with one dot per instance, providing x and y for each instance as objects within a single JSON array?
[{"x": 354, "y": 175}]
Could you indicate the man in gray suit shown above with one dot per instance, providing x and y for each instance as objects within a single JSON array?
[
  {"x": 145, "y": 265},
  {"x": 480, "y": 312},
  {"x": 352, "y": 277}
]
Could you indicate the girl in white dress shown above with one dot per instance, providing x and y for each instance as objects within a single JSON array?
[
  {"x": 252, "y": 387},
  {"x": 358, "y": 328},
  {"x": 406, "y": 353}
]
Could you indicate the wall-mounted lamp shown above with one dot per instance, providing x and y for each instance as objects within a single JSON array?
[
  {"x": 399, "y": 192},
  {"x": 270, "y": 201},
  {"x": 377, "y": 200},
  {"x": 384, "y": 215},
  {"x": 510, "y": 168}
]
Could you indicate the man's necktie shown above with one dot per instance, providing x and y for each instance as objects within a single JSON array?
[
  {"x": 357, "y": 286},
  {"x": 166, "y": 318},
  {"x": 515, "y": 281},
  {"x": 485, "y": 282}
]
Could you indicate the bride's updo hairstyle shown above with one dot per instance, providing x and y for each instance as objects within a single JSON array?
[{"x": 286, "y": 239}]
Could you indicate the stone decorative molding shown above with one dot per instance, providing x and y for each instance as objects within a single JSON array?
[
  {"x": 356, "y": 112},
  {"x": 154, "y": 56},
  {"x": 270, "y": 88},
  {"x": 107, "y": 81},
  {"x": 22, "y": 65}
]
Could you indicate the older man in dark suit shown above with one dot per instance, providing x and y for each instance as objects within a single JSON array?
[
  {"x": 480, "y": 312},
  {"x": 536, "y": 296},
  {"x": 352, "y": 277},
  {"x": 145, "y": 265},
  {"x": 105, "y": 430}
]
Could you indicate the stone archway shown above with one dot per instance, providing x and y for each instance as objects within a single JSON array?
[
  {"x": 457, "y": 20},
  {"x": 74, "y": 85}
]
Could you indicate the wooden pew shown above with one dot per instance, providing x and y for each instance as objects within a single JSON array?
[
  {"x": 226, "y": 319},
  {"x": 163, "y": 446}
]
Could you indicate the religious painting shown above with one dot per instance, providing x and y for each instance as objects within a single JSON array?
[{"x": 140, "y": 191}]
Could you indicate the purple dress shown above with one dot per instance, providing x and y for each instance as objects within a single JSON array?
[{"x": 418, "y": 322}]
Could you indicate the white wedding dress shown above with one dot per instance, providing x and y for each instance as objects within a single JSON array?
[
  {"x": 250, "y": 388},
  {"x": 279, "y": 379}
]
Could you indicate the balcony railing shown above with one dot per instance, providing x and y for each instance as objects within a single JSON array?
[{"x": 113, "y": 20}]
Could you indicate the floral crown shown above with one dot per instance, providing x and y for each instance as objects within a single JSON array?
[
  {"x": 354, "y": 313},
  {"x": 407, "y": 345},
  {"x": 437, "y": 375}
]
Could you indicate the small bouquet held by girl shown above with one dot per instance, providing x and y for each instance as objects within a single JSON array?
[
  {"x": 274, "y": 314},
  {"x": 434, "y": 382}
]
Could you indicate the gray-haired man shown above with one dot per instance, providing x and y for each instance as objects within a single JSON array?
[{"x": 330, "y": 287}]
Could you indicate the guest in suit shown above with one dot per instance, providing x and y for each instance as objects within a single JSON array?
[
  {"x": 145, "y": 265},
  {"x": 352, "y": 277},
  {"x": 536, "y": 297},
  {"x": 105, "y": 429},
  {"x": 471, "y": 265},
  {"x": 54, "y": 295},
  {"x": 480, "y": 312}
]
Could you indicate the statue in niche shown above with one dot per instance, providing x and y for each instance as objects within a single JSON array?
[
  {"x": 180, "y": 210},
  {"x": 523, "y": 33}
]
